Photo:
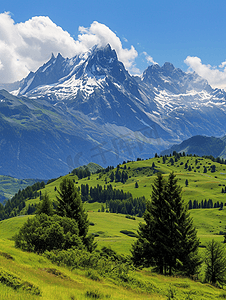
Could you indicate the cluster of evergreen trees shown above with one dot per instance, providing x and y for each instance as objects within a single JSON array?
[
  {"x": 131, "y": 206},
  {"x": 118, "y": 176},
  {"x": 204, "y": 204},
  {"x": 102, "y": 194},
  {"x": 117, "y": 201},
  {"x": 81, "y": 172},
  {"x": 14, "y": 205}
]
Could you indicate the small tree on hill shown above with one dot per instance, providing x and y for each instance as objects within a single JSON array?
[
  {"x": 70, "y": 205},
  {"x": 45, "y": 206},
  {"x": 215, "y": 263}
]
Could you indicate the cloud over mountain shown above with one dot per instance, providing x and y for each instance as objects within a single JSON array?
[
  {"x": 25, "y": 46},
  {"x": 216, "y": 76}
]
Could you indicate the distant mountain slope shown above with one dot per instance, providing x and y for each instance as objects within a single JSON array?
[
  {"x": 199, "y": 145},
  {"x": 9, "y": 186},
  {"x": 36, "y": 138},
  {"x": 89, "y": 108}
]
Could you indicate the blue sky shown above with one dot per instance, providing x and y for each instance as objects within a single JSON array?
[{"x": 152, "y": 31}]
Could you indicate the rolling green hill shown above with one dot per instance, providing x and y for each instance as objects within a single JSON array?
[
  {"x": 58, "y": 282},
  {"x": 117, "y": 231},
  {"x": 201, "y": 185},
  {"x": 205, "y": 179}
]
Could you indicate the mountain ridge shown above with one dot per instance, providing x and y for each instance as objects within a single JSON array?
[
  {"x": 199, "y": 145},
  {"x": 91, "y": 108}
]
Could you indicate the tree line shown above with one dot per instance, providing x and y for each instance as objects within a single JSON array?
[
  {"x": 195, "y": 204},
  {"x": 14, "y": 205},
  {"x": 102, "y": 194},
  {"x": 81, "y": 172},
  {"x": 117, "y": 201},
  {"x": 131, "y": 206},
  {"x": 183, "y": 154}
]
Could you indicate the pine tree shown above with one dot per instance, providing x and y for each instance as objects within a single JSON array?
[
  {"x": 168, "y": 240},
  {"x": 70, "y": 205},
  {"x": 215, "y": 263},
  {"x": 149, "y": 248},
  {"x": 183, "y": 250},
  {"x": 45, "y": 206}
]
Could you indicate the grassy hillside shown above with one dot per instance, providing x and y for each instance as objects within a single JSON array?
[
  {"x": 107, "y": 227},
  {"x": 55, "y": 282},
  {"x": 201, "y": 185},
  {"x": 115, "y": 230}
]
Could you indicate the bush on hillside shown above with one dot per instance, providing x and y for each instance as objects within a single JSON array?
[{"x": 43, "y": 232}]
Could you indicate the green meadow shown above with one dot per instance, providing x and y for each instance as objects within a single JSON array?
[
  {"x": 40, "y": 279},
  {"x": 200, "y": 186},
  {"x": 76, "y": 284}
]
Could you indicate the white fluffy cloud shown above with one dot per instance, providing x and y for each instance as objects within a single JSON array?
[
  {"x": 149, "y": 58},
  {"x": 26, "y": 46},
  {"x": 100, "y": 34},
  {"x": 216, "y": 76}
]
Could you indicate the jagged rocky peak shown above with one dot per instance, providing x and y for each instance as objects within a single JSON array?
[
  {"x": 174, "y": 79},
  {"x": 48, "y": 73},
  {"x": 100, "y": 61},
  {"x": 105, "y": 55},
  {"x": 155, "y": 70},
  {"x": 104, "y": 61},
  {"x": 168, "y": 67}
]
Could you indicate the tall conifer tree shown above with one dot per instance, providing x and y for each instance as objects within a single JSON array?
[
  {"x": 168, "y": 240},
  {"x": 70, "y": 205}
]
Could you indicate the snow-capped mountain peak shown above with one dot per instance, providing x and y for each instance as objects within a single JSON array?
[
  {"x": 66, "y": 76},
  {"x": 94, "y": 104}
]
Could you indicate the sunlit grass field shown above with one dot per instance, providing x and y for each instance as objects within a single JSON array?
[
  {"x": 75, "y": 285},
  {"x": 201, "y": 185},
  {"x": 107, "y": 227}
]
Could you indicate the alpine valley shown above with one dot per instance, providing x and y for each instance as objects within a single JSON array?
[{"x": 89, "y": 108}]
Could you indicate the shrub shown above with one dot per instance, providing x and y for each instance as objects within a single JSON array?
[
  {"x": 6, "y": 255},
  {"x": 93, "y": 274},
  {"x": 15, "y": 282},
  {"x": 93, "y": 294},
  {"x": 43, "y": 232}
]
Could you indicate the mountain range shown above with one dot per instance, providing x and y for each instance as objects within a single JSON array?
[
  {"x": 201, "y": 146},
  {"x": 89, "y": 108}
]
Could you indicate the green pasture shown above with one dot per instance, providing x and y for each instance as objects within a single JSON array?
[
  {"x": 210, "y": 224},
  {"x": 107, "y": 227},
  {"x": 201, "y": 185},
  {"x": 75, "y": 284}
]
